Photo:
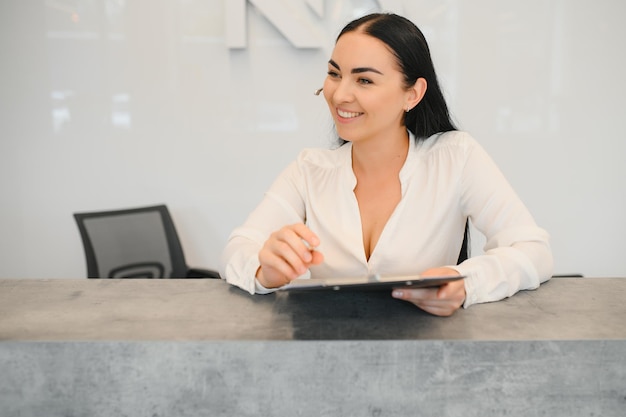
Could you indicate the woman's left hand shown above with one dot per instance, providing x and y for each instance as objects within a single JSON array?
[{"x": 440, "y": 301}]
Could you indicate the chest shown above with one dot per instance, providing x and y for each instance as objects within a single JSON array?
[{"x": 377, "y": 199}]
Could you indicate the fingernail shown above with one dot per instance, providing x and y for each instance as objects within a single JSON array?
[{"x": 397, "y": 294}]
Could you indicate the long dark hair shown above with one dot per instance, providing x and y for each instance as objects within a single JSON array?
[{"x": 408, "y": 44}]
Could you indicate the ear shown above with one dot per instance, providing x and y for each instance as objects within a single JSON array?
[{"x": 415, "y": 93}]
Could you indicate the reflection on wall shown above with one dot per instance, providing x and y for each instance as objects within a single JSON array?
[{"x": 98, "y": 52}]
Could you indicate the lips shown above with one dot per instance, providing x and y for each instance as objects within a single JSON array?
[{"x": 348, "y": 114}]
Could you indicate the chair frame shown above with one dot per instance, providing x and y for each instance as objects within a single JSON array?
[{"x": 179, "y": 266}]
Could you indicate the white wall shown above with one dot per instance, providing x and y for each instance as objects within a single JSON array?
[{"x": 113, "y": 103}]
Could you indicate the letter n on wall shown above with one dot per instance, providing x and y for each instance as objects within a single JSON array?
[{"x": 286, "y": 15}]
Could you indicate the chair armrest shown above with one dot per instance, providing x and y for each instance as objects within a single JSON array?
[{"x": 202, "y": 273}]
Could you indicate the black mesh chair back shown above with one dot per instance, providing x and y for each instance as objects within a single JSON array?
[{"x": 133, "y": 243}]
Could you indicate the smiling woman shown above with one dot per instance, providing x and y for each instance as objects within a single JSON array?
[
  {"x": 365, "y": 90},
  {"x": 396, "y": 197}
]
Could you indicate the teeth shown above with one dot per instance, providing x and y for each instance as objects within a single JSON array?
[{"x": 347, "y": 114}]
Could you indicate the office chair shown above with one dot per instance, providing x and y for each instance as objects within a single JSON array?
[{"x": 134, "y": 243}]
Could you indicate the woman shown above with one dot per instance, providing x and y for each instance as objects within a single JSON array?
[{"x": 396, "y": 197}]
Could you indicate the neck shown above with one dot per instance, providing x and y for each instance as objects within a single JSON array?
[{"x": 372, "y": 157}]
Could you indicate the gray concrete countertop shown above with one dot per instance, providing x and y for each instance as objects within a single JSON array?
[
  {"x": 180, "y": 348},
  {"x": 205, "y": 309}
]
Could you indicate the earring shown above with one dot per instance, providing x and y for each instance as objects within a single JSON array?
[{"x": 408, "y": 109}]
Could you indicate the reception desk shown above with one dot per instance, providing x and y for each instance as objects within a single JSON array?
[{"x": 204, "y": 348}]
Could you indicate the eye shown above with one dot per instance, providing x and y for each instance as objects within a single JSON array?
[
  {"x": 364, "y": 81},
  {"x": 333, "y": 74}
]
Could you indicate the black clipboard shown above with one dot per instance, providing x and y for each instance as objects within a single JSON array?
[{"x": 371, "y": 282}]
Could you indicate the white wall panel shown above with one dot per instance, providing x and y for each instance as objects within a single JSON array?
[{"x": 117, "y": 103}]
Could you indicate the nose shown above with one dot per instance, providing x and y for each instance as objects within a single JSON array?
[{"x": 338, "y": 91}]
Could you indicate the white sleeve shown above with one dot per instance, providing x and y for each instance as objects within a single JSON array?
[
  {"x": 517, "y": 252},
  {"x": 282, "y": 205}
]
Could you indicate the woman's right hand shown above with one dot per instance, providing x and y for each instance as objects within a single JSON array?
[{"x": 287, "y": 254}]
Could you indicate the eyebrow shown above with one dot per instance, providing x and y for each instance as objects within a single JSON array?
[{"x": 356, "y": 70}]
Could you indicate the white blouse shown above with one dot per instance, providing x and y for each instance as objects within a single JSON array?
[{"x": 445, "y": 180}]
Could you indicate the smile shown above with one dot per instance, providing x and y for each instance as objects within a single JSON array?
[{"x": 347, "y": 114}]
